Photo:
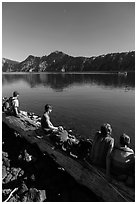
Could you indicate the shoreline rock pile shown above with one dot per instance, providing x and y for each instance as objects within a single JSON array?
[{"x": 30, "y": 176}]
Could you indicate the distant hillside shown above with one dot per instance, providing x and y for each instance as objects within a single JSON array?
[
  {"x": 8, "y": 65},
  {"x": 59, "y": 61}
]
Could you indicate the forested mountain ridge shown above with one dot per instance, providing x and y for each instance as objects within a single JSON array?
[
  {"x": 8, "y": 65},
  {"x": 60, "y": 62}
]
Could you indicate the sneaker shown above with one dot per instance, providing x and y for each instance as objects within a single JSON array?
[
  {"x": 73, "y": 155},
  {"x": 39, "y": 136},
  {"x": 63, "y": 148}
]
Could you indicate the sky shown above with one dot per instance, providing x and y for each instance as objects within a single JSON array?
[{"x": 75, "y": 28}]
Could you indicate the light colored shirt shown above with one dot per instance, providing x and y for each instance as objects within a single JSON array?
[{"x": 15, "y": 102}]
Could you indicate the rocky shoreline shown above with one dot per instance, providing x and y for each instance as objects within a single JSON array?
[{"x": 30, "y": 176}]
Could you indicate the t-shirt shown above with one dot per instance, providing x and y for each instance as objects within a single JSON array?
[
  {"x": 15, "y": 102},
  {"x": 100, "y": 147}
]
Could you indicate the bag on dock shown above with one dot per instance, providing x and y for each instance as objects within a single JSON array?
[
  {"x": 59, "y": 137},
  {"x": 84, "y": 148},
  {"x": 7, "y": 104}
]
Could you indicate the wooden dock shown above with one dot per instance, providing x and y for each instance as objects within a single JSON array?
[{"x": 83, "y": 172}]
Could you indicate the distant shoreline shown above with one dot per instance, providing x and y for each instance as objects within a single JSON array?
[{"x": 91, "y": 72}]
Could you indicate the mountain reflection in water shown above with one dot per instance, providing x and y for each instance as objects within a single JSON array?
[
  {"x": 58, "y": 82},
  {"x": 81, "y": 102}
]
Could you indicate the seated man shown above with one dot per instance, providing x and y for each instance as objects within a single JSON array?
[
  {"x": 122, "y": 159},
  {"x": 46, "y": 124},
  {"x": 58, "y": 135},
  {"x": 15, "y": 104},
  {"x": 11, "y": 105},
  {"x": 102, "y": 146}
]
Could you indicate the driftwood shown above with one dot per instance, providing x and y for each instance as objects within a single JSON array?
[
  {"x": 83, "y": 172},
  {"x": 15, "y": 189}
]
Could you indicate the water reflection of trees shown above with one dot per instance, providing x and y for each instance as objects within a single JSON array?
[{"x": 60, "y": 81}]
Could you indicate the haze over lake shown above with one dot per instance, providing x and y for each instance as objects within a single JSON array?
[{"x": 81, "y": 102}]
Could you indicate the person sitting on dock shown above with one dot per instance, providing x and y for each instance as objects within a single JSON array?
[
  {"x": 102, "y": 146},
  {"x": 46, "y": 124},
  {"x": 122, "y": 161},
  {"x": 15, "y": 104},
  {"x": 58, "y": 135},
  {"x": 11, "y": 105}
]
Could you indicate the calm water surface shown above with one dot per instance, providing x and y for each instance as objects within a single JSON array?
[{"x": 81, "y": 102}]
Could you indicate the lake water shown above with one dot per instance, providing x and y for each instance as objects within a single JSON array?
[{"x": 81, "y": 102}]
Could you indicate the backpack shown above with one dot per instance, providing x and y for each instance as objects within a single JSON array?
[
  {"x": 7, "y": 104},
  {"x": 61, "y": 137},
  {"x": 84, "y": 148}
]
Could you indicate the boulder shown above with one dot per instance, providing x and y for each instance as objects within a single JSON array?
[
  {"x": 8, "y": 178},
  {"x": 4, "y": 172}
]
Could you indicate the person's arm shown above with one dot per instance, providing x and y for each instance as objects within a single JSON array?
[
  {"x": 108, "y": 160},
  {"x": 50, "y": 125}
]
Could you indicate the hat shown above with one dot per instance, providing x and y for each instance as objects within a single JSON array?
[{"x": 15, "y": 93}]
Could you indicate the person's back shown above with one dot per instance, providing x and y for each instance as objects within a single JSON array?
[
  {"x": 44, "y": 122},
  {"x": 122, "y": 157},
  {"x": 15, "y": 104},
  {"x": 102, "y": 145}
]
